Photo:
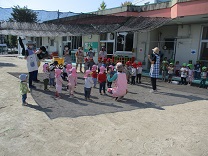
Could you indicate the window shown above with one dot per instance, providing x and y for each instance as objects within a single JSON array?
[
  {"x": 64, "y": 38},
  {"x": 52, "y": 42},
  {"x": 38, "y": 41},
  {"x": 103, "y": 37},
  {"x": 169, "y": 43},
  {"x": 76, "y": 42},
  {"x": 204, "y": 44},
  {"x": 125, "y": 41}
]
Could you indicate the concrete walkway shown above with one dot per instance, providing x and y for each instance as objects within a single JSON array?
[{"x": 179, "y": 127}]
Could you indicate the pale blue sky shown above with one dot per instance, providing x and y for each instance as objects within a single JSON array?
[{"x": 76, "y": 6}]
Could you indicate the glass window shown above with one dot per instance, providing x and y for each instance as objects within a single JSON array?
[
  {"x": 120, "y": 43},
  {"x": 38, "y": 41},
  {"x": 129, "y": 42},
  {"x": 76, "y": 42},
  {"x": 110, "y": 48},
  {"x": 111, "y": 36},
  {"x": 64, "y": 38},
  {"x": 52, "y": 42},
  {"x": 204, "y": 51},
  {"x": 205, "y": 33}
]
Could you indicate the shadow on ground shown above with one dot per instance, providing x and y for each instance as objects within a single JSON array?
[
  {"x": 137, "y": 98},
  {"x": 7, "y": 64}
]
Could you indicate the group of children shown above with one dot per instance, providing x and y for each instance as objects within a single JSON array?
[{"x": 187, "y": 72}]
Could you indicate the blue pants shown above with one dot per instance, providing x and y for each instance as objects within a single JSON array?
[
  {"x": 51, "y": 82},
  {"x": 102, "y": 87},
  {"x": 87, "y": 92},
  {"x": 24, "y": 97},
  {"x": 202, "y": 83},
  {"x": 31, "y": 78},
  {"x": 95, "y": 81},
  {"x": 35, "y": 75}
]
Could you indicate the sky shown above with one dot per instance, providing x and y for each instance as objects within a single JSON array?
[{"x": 76, "y": 6}]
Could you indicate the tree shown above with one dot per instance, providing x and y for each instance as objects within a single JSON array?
[
  {"x": 126, "y": 3},
  {"x": 102, "y": 6},
  {"x": 23, "y": 15}
]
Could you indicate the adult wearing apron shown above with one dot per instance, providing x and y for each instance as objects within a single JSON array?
[
  {"x": 103, "y": 53},
  {"x": 32, "y": 64},
  {"x": 155, "y": 68},
  {"x": 67, "y": 55},
  {"x": 79, "y": 58}
]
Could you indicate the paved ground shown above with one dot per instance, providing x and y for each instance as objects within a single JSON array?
[{"x": 171, "y": 122}]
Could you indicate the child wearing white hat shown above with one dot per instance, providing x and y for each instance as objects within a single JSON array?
[
  {"x": 24, "y": 88},
  {"x": 88, "y": 84}
]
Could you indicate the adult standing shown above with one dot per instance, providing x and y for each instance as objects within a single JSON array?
[
  {"x": 79, "y": 58},
  {"x": 90, "y": 54},
  {"x": 155, "y": 68},
  {"x": 103, "y": 53},
  {"x": 120, "y": 79},
  {"x": 32, "y": 64},
  {"x": 67, "y": 55}
]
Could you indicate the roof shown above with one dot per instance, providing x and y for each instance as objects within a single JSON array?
[{"x": 83, "y": 25}]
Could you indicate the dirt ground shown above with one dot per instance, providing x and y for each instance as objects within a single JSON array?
[{"x": 178, "y": 128}]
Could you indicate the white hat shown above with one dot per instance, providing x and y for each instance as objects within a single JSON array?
[
  {"x": 156, "y": 50},
  {"x": 23, "y": 77}
]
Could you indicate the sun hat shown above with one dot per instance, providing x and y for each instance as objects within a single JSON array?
[
  {"x": 171, "y": 63},
  {"x": 87, "y": 72},
  {"x": 204, "y": 68},
  {"x": 112, "y": 67},
  {"x": 184, "y": 64},
  {"x": 139, "y": 64},
  {"x": 57, "y": 72},
  {"x": 119, "y": 66},
  {"x": 156, "y": 50},
  {"x": 108, "y": 60},
  {"x": 128, "y": 63},
  {"x": 134, "y": 65},
  {"x": 45, "y": 67},
  {"x": 23, "y": 77},
  {"x": 86, "y": 59},
  {"x": 68, "y": 67},
  {"x": 74, "y": 72},
  {"x": 102, "y": 69},
  {"x": 94, "y": 67}
]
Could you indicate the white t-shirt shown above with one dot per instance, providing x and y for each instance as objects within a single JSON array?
[
  {"x": 133, "y": 71},
  {"x": 190, "y": 72},
  {"x": 88, "y": 82},
  {"x": 139, "y": 70},
  {"x": 183, "y": 72}
]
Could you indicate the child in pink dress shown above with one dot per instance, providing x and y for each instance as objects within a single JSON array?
[
  {"x": 72, "y": 81},
  {"x": 59, "y": 82},
  {"x": 68, "y": 69}
]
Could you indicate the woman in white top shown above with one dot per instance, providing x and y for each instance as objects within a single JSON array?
[{"x": 103, "y": 53}]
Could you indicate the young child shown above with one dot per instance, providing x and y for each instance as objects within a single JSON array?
[
  {"x": 190, "y": 74},
  {"x": 64, "y": 73},
  {"x": 86, "y": 64},
  {"x": 102, "y": 79},
  {"x": 107, "y": 63},
  {"x": 104, "y": 62},
  {"x": 72, "y": 81},
  {"x": 127, "y": 70},
  {"x": 184, "y": 72},
  {"x": 139, "y": 72},
  {"x": 111, "y": 62},
  {"x": 46, "y": 76},
  {"x": 197, "y": 70},
  {"x": 52, "y": 75},
  {"x": 24, "y": 88},
  {"x": 88, "y": 84},
  {"x": 94, "y": 75},
  {"x": 59, "y": 82},
  {"x": 68, "y": 69},
  {"x": 164, "y": 68},
  {"x": 91, "y": 63},
  {"x": 170, "y": 72},
  {"x": 133, "y": 73},
  {"x": 99, "y": 63},
  {"x": 177, "y": 69},
  {"x": 112, "y": 72},
  {"x": 203, "y": 77}
]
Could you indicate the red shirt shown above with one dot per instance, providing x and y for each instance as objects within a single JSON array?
[
  {"x": 102, "y": 78},
  {"x": 94, "y": 74}
]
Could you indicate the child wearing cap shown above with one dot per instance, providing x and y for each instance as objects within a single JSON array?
[
  {"x": 133, "y": 73},
  {"x": 184, "y": 72},
  {"x": 177, "y": 68},
  {"x": 72, "y": 81},
  {"x": 99, "y": 63},
  {"x": 64, "y": 73},
  {"x": 170, "y": 72},
  {"x": 164, "y": 68},
  {"x": 127, "y": 70},
  {"x": 203, "y": 77},
  {"x": 59, "y": 82},
  {"x": 94, "y": 75},
  {"x": 139, "y": 72},
  {"x": 45, "y": 76},
  {"x": 111, "y": 72},
  {"x": 68, "y": 69},
  {"x": 24, "y": 88},
  {"x": 190, "y": 73},
  {"x": 86, "y": 64},
  {"x": 88, "y": 84},
  {"x": 102, "y": 79}
]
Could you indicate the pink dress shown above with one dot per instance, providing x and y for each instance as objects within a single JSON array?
[
  {"x": 59, "y": 82},
  {"x": 120, "y": 88}
]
